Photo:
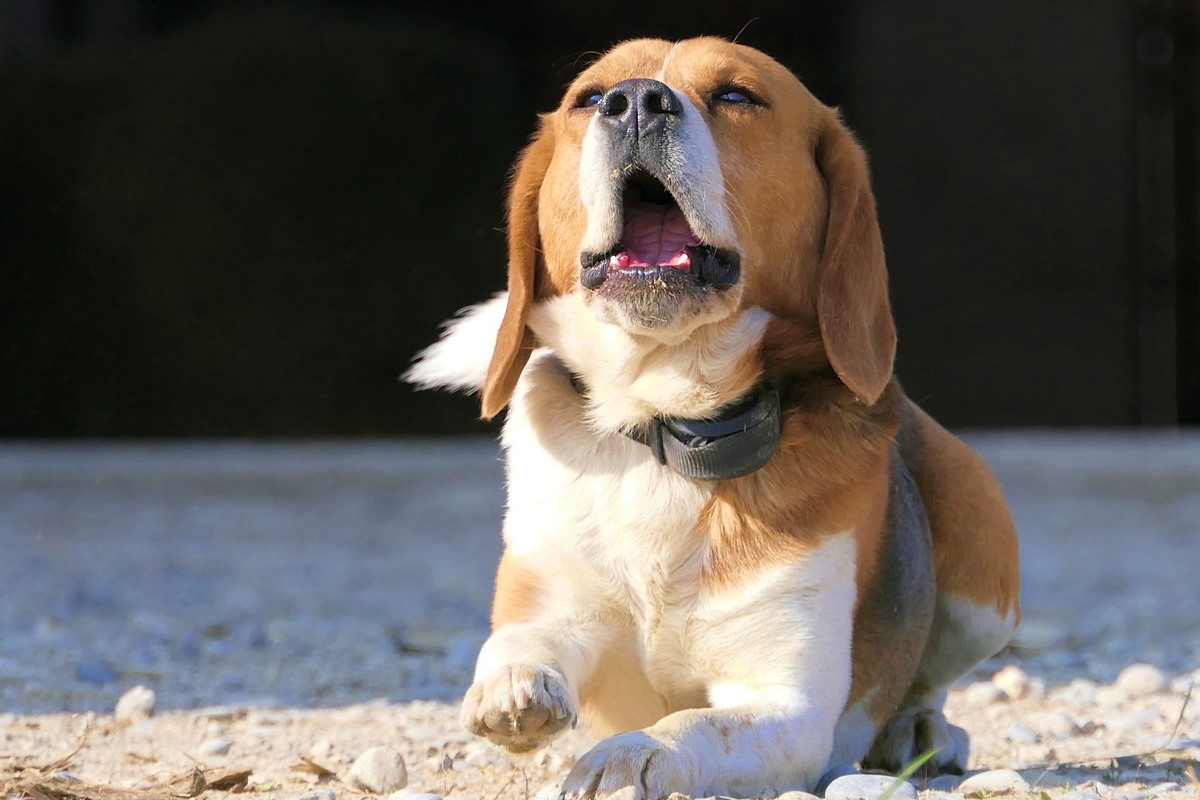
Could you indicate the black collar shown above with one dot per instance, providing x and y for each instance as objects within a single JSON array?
[{"x": 739, "y": 439}]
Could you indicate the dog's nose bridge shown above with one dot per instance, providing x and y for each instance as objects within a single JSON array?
[{"x": 639, "y": 107}]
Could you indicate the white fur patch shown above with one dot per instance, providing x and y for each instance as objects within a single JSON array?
[
  {"x": 632, "y": 378},
  {"x": 459, "y": 360}
]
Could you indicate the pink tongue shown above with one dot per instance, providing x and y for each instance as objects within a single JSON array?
[{"x": 656, "y": 235}]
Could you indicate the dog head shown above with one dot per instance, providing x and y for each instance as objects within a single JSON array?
[{"x": 677, "y": 185}]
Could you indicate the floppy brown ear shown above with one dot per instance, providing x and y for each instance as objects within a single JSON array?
[
  {"x": 852, "y": 303},
  {"x": 514, "y": 342}
]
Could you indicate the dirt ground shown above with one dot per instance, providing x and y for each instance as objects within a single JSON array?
[{"x": 292, "y": 606}]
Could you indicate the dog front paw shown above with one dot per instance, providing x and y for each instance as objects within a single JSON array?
[
  {"x": 630, "y": 765},
  {"x": 518, "y": 706}
]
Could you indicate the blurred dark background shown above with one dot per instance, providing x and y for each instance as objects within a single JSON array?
[{"x": 242, "y": 219}]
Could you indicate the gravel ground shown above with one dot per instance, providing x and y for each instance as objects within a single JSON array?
[{"x": 292, "y": 601}]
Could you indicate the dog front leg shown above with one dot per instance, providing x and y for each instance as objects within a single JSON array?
[{"x": 752, "y": 750}]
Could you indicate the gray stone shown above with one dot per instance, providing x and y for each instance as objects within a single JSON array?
[
  {"x": 1139, "y": 680},
  {"x": 318, "y": 794},
  {"x": 378, "y": 769},
  {"x": 868, "y": 787},
  {"x": 994, "y": 781},
  {"x": 135, "y": 706},
  {"x": 831, "y": 775},
  {"x": 213, "y": 747},
  {"x": 797, "y": 796}
]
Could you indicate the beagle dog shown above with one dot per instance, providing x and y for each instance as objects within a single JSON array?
[{"x": 733, "y": 545}]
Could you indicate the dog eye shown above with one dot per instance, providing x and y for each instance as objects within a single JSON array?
[
  {"x": 735, "y": 96},
  {"x": 589, "y": 97}
]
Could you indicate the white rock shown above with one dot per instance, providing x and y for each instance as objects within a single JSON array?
[
  {"x": 984, "y": 694},
  {"x": 213, "y": 747},
  {"x": 1019, "y": 733},
  {"x": 1111, "y": 697},
  {"x": 994, "y": 781},
  {"x": 933, "y": 794},
  {"x": 550, "y": 791},
  {"x": 1037, "y": 689},
  {"x": 1163, "y": 788},
  {"x": 318, "y": 794},
  {"x": 1140, "y": 680},
  {"x": 1056, "y": 724},
  {"x": 378, "y": 769},
  {"x": 797, "y": 796},
  {"x": 136, "y": 705},
  {"x": 1013, "y": 681},
  {"x": 868, "y": 787},
  {"x": 1080, "y": 794},
  {"x": 409, "y": 794},
  {"x": 322, "y": 748}
]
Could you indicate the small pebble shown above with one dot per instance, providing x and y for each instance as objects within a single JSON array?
[
  {"x": 796, "y": 796},
  {"x": 318, "y": 794},
  {"x": 63, "y": 775},
  {"x": 135, "y": 705},
  {"x": 936, "y": 795},
  {"x": 1013, "y": 681},
  {"x": 378, "y": 769},
  {"x": 1056, "y": 724},
  {"x": 214, "y": 747},
  {"x": 868, "y": 787},
  {"x": 409, "y": 794},
  {"x": 1140, "y": 680},
  {"x": 1019, "y": 733},
  {"x": 984, "y": 694},
  {"x": 1080, "y": 794},
  {"x": 994, "y": 781}
]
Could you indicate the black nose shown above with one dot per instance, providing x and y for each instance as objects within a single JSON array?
[{"x": 639, "y": 107}]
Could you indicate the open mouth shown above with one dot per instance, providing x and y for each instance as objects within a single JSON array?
[{"x": 657, "y": 241}]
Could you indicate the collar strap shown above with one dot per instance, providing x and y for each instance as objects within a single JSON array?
[{"x": 738, "y": 440}]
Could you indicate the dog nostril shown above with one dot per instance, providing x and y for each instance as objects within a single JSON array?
[
  {"x": 657, "y": 103},
  {"x": 613, "y": 104}
]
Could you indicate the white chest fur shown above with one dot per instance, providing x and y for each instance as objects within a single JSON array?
[{"x": 618, "y": 529}]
